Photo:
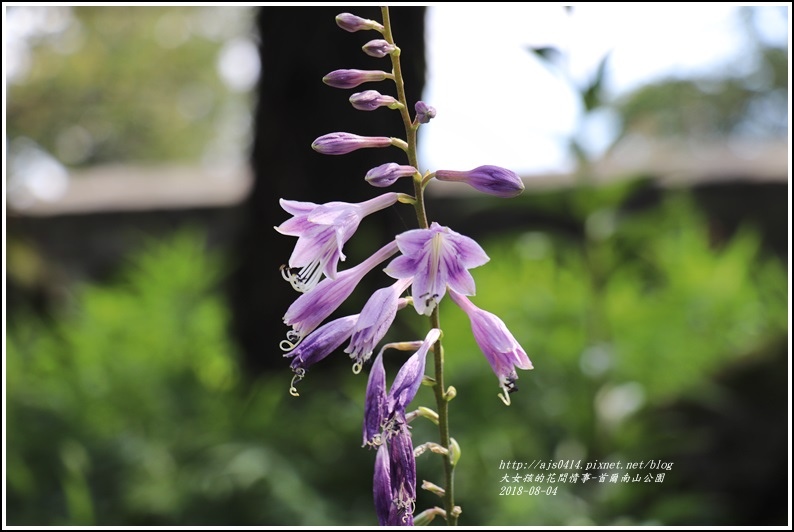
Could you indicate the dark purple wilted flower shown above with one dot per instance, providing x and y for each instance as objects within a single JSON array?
[
  {"x": 378, "y": 48},
  {"x": 386, "y": 428},
  {"x": 342, "y": 143},
  {"x": 351, "y": 77},
  {"x": 489, "y": 179},
  {"x": 381, "y": 485},
  {"x": 376, "y": 318},
  {"x": 497, "y": 343},
  {"x": 387, "y": 174},
  {"x": 352, "y": 23},
  {"x": 424, "y": 112},
  {"x": 319, "y": 345},
  {"x": 322, "y": 230},
  {"x": 371, "y": 100},
  {"x": 311, "y": 308},
  {"x": 436, "y": 257}
]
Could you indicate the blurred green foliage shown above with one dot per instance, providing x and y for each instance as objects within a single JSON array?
[
  {"x": 129, "y": 407},
  {"x": 116, "y": 84}
]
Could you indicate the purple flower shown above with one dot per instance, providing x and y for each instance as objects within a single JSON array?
[
  {"x": 318, "y": 345},
  {"x": 489, "y": 179},
  {"x": 386, "y": 428},
  {"x": 371, "y": 100},
  {"x": 402, "y": 468},
  {"x": 381, "y": 410},
  {"x": 409, "y": 378},
  {"x": 374, "y": 322},
  {"x": 322, "y": 230},
  {"x": 341, "y": 143},
  {"x": 375, "y": 403},
  {"x": 436, "y": 257},
  {"x": 378, "y": 48},
  {"x": 381, "y": 486},
  {"x": 349, "y": 78},
  {"x": 311, "y": 308},
  {"x": 387, "y": 174},
  {"x": 500, "y": 348},
  {"x": 424, "y": 112},
  {"x": 352, "y": 23}
]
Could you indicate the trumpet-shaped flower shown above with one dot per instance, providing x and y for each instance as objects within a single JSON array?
[
  {"x": 319, "y": 345},
  {"x": 434, "y": 258},
  {"x": 376, "y": 318},
  {"x": 312, "y": 308},
  {"x": 322, "y": 231},
  {"x": 497, "y": 343}
]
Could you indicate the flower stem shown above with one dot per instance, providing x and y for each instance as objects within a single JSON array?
[{"x": 421, "y": 217}]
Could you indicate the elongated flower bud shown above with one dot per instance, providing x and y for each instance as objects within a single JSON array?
[
  {"x": 492, "y": 180},
  {"x": 378, "y": 48},
  {"x": 349, "y": 78},
  {"x": 342, "y": 143},
  {"x": 387, "y": 174},
  {"x": 352, "y": 23},
  {"x": 424, "y": 112},
  {"x": 371, "y": 100}
]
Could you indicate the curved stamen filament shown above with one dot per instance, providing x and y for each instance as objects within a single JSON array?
[{"x": 299, "y": 373}]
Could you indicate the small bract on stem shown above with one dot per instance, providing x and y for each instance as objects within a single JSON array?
[{"x": 433, "y": 261}]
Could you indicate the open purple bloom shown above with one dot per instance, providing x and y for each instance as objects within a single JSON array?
[
  {"x": 322, "y": 230},
  {"x": 350, "y": 78},
  {"x": 312, "y": 308},
  {"x": 319, "y": 345},
  {"x": 342, "y": 143},
  {"x": 493, "y": 180},
  {"x": 434, "y": 258},
  {"x": 352, "y": 23},
  {"x": 374, "y": 322},
  {"x": 497, "y": 343}
]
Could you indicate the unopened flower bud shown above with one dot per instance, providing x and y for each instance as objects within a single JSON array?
[
  {"x": 492, "y": 180},
  {"x": 424, "y": 112},
  {"x": 371, "y": 100},
  {"x": 341, "y": 143},
  {"x": 454, "y": 451},
  {"x": 352, "y": 23},
  {"x": 379, "y": 48},
  {"x": 349, "y": 78},
  {"x": 387, "y": 174}
]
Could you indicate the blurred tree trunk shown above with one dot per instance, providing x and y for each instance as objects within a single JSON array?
[{"x": 298, "y": 46}]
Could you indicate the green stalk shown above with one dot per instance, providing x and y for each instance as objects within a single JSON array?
[{"x": 421, "y": 217}]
